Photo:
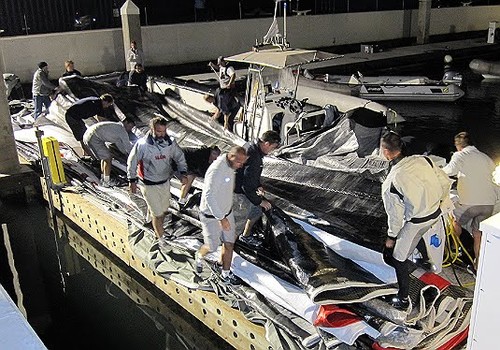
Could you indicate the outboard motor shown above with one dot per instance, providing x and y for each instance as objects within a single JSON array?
[{"x": 452, "y": 77}]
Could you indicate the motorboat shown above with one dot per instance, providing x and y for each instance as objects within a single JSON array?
[
  {"x": 488, "y": 69},
  {"x": 401, "y": 88}
]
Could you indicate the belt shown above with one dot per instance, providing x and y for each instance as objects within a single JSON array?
[
  {"x": 426, "y": 218},
  {"x": 208, "y": 216}
]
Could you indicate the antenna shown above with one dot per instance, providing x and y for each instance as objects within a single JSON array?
[{"x": 273, "y": 36}]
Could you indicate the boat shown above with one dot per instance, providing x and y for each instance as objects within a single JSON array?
[
  {"x": 488, "y": 69},
  {"x": 401, "y": 88}
]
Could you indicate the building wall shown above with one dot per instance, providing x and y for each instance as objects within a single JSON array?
[{"x": 100, "y": 51}]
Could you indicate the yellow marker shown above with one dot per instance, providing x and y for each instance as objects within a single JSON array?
[{"x": 50, "y": 147}]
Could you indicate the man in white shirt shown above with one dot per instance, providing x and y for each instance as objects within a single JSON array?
[
  {"x": 412, "y": 194},
  {"x": 477, "y": 193},
  {"x": 216, "y": 217},
  {"x": 226, "y": 73}
]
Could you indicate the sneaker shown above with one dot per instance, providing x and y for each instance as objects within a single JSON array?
[
  {"x": 231, "y": 279},
  {"x": 424, "y": 264},
  {"x": 182, "y": 202},
  {"x": 199, "y": 263},
  {"x": 397, "y": 302}
]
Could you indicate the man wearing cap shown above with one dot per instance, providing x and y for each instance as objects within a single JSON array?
[
  {"x": 42, "y": 88},
  {"x": 477, "y": 193},
  {"x": 248, "y": 199}
]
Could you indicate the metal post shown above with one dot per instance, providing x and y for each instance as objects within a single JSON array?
[
  {"x": 26, "y": 28},
  {"x": 284, "y": 21},
  {"x": 45, "y": 170}
]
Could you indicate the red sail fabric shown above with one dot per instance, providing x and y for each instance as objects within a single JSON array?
[
  {"x": 434, "y": 279},
  {"x": 334, "y": 316}
]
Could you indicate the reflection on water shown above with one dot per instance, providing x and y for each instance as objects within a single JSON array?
[
  {"x": 478, "y": 112},
  {"x": 104, "y": 303}
]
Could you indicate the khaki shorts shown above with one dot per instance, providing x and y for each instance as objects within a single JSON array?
[
  {"x": 213, "y": 235},
  {"x": 157, "y": 197},
  {"x": 97, "y": 147},
  {"x": 470, "y": 216}
]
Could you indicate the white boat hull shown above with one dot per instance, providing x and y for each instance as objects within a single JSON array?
[{"x": 443, "y": 93}]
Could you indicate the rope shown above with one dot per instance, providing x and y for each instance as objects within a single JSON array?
[{"x": 452, "y": 252}]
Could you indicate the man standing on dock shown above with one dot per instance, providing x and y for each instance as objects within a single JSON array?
[
  {"x": 216, "y": 217},
  {"x": 150, "y": 162},
  {"x": 477, "y": 194},
  {"x": 412, "y": 194}
]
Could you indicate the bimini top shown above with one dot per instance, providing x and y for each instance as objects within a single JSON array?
[{"x": 280, "y": 59}]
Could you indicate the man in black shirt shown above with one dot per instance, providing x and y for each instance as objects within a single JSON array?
[
  {"x": 198, "y": 160},
  {"x": 138, "y": 77},
  {"x": 248, "y": 192},
  {"x": 85, "y": 108}
]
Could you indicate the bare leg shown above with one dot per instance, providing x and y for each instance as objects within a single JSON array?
[
  {"x": 204, "y": 249},
  {"x": 227, "y": 255},
  {"x": 457, "y": 229},
  {"x": 248, "y": 227},
  {"x": 186, "y": 187},
  {"x": 158, "y": 225},
  {"x": 476, "y": 234},
  {"x": 106, "y": 167},
  {"x": 86, "y": 151}
]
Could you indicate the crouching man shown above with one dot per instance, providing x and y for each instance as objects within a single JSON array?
[{"x": 216, "y": 217}]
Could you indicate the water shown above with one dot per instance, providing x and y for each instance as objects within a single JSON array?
[
  {"x": 478, "y": 113},
  {"x": 73, "y": 306}
]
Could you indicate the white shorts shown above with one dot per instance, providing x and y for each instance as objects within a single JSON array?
[
  {"x": 213, "y": 235},
  {"x": 157, "y": 197}
]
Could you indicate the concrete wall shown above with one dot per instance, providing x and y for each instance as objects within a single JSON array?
[{"x": 100, "y": 51}]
